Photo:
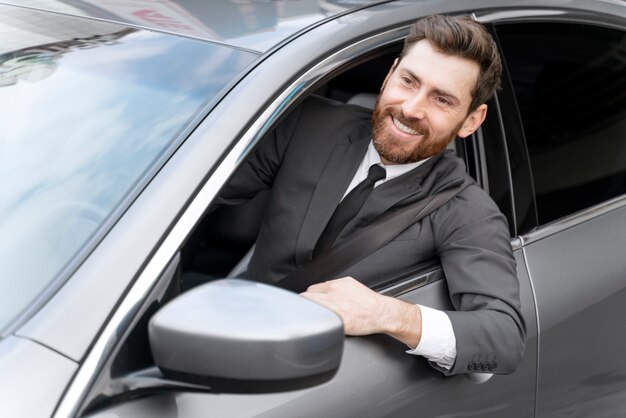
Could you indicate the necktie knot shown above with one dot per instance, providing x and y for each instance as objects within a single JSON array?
[{"x": 376, "y": 173}]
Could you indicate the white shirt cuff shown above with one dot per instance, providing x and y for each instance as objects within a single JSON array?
[{"x": 438, "y": 343}]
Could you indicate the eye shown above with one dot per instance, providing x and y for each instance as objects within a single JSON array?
[
  {"x": 406, "y": 80},
  {"x": 443, "y": 101}
]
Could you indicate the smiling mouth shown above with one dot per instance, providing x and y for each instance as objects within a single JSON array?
[{"x": 403, "y": 128}]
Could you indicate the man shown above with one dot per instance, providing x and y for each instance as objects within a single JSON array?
[{"x": 435, "y": 91}]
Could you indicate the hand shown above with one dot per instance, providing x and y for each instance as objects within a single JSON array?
[{"x": 365, "y": 312}]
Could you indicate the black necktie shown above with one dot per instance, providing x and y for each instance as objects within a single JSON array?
[{"x": 348, "y": 208}]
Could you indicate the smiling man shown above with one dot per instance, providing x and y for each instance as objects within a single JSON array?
[
  {"x": 334, "y": 169},
  {"x": 424, "y": 104}
]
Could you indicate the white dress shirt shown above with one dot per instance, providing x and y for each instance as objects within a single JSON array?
[{"x": 438, "y": 342}]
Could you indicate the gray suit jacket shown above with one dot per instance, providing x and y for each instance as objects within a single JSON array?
[{"x": 308, "y": 164}]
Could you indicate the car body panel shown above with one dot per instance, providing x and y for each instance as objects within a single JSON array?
[
  {"x": 30, "y": 368},
  {"x": 581, "y": 294},
  {"x": 576, "y": 265}
]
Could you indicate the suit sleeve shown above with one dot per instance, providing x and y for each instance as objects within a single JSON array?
[
  {"x": 258, "y": 170},
  {"x": 473, "y": 243}
]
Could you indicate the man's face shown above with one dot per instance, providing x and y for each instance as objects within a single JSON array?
[{"x": 424, "y": 104}]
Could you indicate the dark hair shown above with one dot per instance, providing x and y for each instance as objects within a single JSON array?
[{"x": 462, "y": 37}]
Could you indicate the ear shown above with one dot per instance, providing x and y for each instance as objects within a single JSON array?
[
  {"x": 473, "y": 121},
  {"x": 391, "y": 70}
]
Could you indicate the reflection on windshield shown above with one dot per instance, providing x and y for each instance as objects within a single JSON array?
[
  {"x": 251, "y": 24},
  {"x": 82, "y": 121}
]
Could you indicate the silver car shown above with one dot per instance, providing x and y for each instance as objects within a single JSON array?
[{"x": 120, "y": 122}]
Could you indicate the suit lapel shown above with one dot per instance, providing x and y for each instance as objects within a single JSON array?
[{"x": 339, "y": 170}]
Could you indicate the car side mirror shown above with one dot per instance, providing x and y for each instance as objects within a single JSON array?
[{"x": 241, "y": 336}]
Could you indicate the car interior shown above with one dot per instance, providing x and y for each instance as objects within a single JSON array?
[{"x": 221, "y": 244}]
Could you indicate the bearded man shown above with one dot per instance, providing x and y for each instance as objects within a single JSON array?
[{"x": 324, "y": 152}]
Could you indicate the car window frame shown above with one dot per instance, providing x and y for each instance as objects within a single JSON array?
[{"x": 529, "y": 229}]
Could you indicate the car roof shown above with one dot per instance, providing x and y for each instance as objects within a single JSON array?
[{"x": 253, "y": 25}]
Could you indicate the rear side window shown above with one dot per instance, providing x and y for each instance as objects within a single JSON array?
[{"x": 570, "y": 85}]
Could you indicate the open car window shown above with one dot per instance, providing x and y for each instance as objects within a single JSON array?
[{"x": 221, "y": 245}]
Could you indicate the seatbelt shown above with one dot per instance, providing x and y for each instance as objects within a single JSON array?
[{"x": 365, "y": 241}]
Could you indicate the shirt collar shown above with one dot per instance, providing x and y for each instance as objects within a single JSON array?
[{"x": 393, "y": 170}]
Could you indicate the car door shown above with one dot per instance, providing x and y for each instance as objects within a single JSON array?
[
  {"x": 376, "y": 376},
  {"x": 569, "y": 81}
]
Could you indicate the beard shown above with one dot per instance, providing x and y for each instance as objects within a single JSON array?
[{"x": 402, "y": 151}]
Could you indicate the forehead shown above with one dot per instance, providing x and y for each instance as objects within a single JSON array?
[{"x": 436, "y": 70}]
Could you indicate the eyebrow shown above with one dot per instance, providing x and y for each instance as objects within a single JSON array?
[{"x": 440, "y": 92}]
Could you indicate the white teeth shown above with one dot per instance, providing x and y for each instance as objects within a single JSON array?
[{"x": 403, "y": 127}]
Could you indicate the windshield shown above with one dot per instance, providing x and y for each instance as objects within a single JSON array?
[{"x": 88, "y": 111}]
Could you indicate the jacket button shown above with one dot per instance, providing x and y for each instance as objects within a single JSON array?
[
  {"x": 471, "y": 365},
  {"x": 493, "y": 366}
]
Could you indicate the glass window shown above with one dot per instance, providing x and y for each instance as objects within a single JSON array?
[
  {"x": 570, "y": 85},
  {"x": 88, "y": 111}
]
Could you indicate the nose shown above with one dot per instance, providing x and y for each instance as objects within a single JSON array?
[{"x": 415, "y": 106}]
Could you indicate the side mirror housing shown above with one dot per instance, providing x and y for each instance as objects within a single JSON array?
[{"x": 241, "y": 336}]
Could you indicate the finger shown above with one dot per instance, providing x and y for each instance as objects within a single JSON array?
[
  {"x": 315, "y": 297},
  {"x": 319, "y": 287}
]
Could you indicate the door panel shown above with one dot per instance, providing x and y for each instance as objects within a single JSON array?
[
  {"x": 568, "y": 79},
  {"x": 579, "y": 275},
  {"x": 376, "y": 379}
]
